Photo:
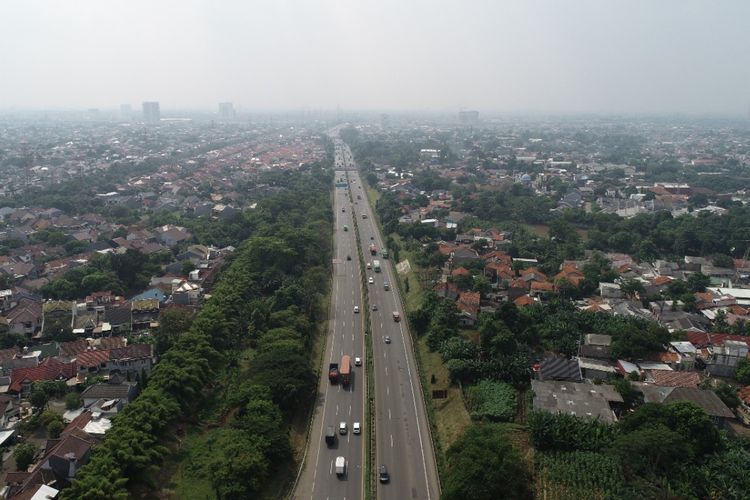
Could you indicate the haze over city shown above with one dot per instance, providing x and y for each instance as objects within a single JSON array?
[{"x": 540, "y": 56}]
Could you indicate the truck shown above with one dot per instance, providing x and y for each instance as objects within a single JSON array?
[
  {"x": 376, "y": 265},
  {"x": 340, "y": 466},
  {"x": 330, "y": 435},
  {"x": 396, "y": 316},
  {"x": 345, "y": 369},
  {"x": 373, "y": 249},
  {"x": 333, "y": 372}
]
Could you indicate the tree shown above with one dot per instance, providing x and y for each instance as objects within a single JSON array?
[
  {"x": 24, "y": 455},
  {"x": 742, "y": 372},
  {"x": 482, "y": 285},
  {"x": 651, "y": 451},
  {"x": 38, "y": 398},
  {"x": 72, "y": 401},
  {"x": 54, "y": 429},
  {"x": 484, "y": 465},
  {"x": 173, "y": 322},
  {"x": 727, "y": 394}
]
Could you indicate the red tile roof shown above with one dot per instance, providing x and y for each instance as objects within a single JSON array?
[
  {"x": 701, "y": 339},
  {"x": 49, "y": 369},
  {"x": 668, "y": 378}
]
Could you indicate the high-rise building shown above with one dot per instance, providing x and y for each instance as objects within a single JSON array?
[
  {"x": 151, "y": 113},
  {"x": 468, "y": 117},
  {"x": 226, "y": 110}
]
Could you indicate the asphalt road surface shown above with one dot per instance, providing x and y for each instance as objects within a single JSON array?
[{"x": 403, "y": 442}]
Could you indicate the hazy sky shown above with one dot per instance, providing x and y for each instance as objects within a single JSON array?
[{"x": 636, "y": 56}]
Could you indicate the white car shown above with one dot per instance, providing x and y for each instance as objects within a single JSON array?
[
  {"x": 370, "y": 280},
  {"x": 369, "y": 265},
  {"x": 357, "y": 361},
  {"x": 356, "y": 429},
  {"x": 343, "y": 429},
  {"x": 356, "y": 309}
]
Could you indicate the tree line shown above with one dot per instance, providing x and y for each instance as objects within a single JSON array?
[{"x": 263, "y": 302}]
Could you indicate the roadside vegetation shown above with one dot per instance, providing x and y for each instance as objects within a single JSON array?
[{"x": 224, "y": 394}]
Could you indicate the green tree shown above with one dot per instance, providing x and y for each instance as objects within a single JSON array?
[
  {"x": 24, "y": 455},
  {"x": 38, "y": 398},
  {"x": 72, "y": 401},
  {"x": 742, "y": 372},
  {"x": 54, "y": 429},
  {"x": 483, "y": 464},
  {"x": 727, "y": 394}
]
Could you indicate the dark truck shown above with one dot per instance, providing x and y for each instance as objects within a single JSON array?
[
  {"x": 333, "y": 373},
  {"x": 345, "y": 371},
  {"x": 330, "y": 435}
]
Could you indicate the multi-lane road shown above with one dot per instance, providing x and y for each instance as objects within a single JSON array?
[{"x": 402, "y": 436}]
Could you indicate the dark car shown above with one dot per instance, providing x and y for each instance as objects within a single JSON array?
[
  {"x": 383, "y": 474},
  {"x": 348, "y": 257}
]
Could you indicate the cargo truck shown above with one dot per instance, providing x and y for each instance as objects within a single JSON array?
[
  {"x": 376, "y": 265},
  {"x": 333, "y": 373},
  {"x": 345, "y": 369},
  {"x": 373, "y": 249},
  {"x": 330, "y": 435},
  {"x": 340, "y": 466}
]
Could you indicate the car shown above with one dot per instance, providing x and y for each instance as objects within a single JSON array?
[
  {"x": 343, "y": 429},
  {"x": 356, "y": 429},
  {"x": 343, "y": 209},
  {"x": 369, "y": 265},
  {"x": 356, "y": 309},
  {"x": 387, "y": 339},
  {"x": 372, "y": 237},
  {"x": 348, "y": 257},
  {"x": 370, "y": 280},
  {"x": 383, "y": 475},
  {"x": 357, "y": 361},
  {"x": 374, "y": 307}
]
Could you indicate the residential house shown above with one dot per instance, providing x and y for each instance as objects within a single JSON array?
[
  {"x": 49, "y": 369},
  {"x": 144, "y": 313},
  {"x": 57, "y": 315},
  {"x": 583, "y": 400},
  {"x": 25, "y": 318},
  {"x": 559, "y": 369}
]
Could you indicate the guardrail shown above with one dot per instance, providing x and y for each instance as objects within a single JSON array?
[{"x": 370, "y": 483}]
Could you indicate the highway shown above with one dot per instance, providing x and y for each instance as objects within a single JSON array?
[
  {"x": 402, "y": 433},
  {"x": 335, "y": 403}
]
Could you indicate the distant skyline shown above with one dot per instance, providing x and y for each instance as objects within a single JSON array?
[{"x": 539, "y": 56}]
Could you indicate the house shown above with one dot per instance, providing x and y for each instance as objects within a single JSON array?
[
  {"x": 133, "y": 359},
  {"x": 9, "y": 410},
  {"x": 144, "y": 313},
  {"x": 57, "y": 315},
  {"x": 597, "y": 369},
  {"x": 114, "y": 389},
  {"x": 724, "y": 358},
  {"x": 153, "y": 293},
  {"x": 119, "y": 318},
  {"x": 583, "y": 400},
  {"x": 49, "y": 369},
  {"x": 464, "y": 255},
  {"x": 559, "y": 369},
  {"x": 703, "y": 398},
  {"x": 25, "y": 318},
  {"x": 610, "y": 290}
]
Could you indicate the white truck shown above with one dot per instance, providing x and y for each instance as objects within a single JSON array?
[
  {"x": 376, "y": 265},
  {"x": 340, "y": 466}
]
